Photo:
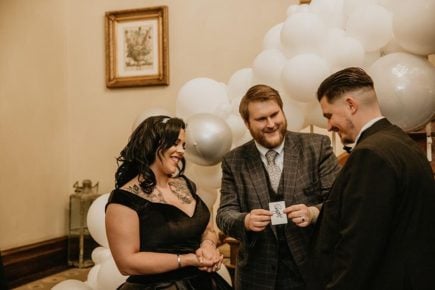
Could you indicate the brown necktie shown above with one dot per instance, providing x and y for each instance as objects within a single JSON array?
[{"x": 273, "y": 169}]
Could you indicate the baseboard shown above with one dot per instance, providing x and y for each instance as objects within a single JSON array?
[{"x": 31, "y": 262}]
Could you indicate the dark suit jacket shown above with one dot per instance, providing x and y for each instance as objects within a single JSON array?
[
  {"x": 309, "y": 170},
  {"x": 376, "y": 230}
]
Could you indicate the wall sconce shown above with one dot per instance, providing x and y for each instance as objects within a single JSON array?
[{"x": 80, "y": 242}]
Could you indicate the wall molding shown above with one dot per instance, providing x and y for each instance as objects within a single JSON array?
[{"x": 31, "y": 262}]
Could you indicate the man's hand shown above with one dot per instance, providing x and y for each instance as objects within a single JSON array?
[
  {"x": 257, "y": 220},
  {"x": 301, "y": 214}
]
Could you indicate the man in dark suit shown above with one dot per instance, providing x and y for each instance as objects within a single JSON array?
[
  {"x": 376, "y": 230},
  {"x": 270, "y": 254}
]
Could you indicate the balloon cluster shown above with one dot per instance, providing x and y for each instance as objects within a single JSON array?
[{"x": 390, "y": 39}]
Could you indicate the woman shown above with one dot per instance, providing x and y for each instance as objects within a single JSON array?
[{"x": 159, "y": 230}]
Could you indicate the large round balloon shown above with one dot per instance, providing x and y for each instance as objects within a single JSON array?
[
  {"x": 208, "y": 138},
  {"x": 302, "y": 75},
  {"x": 239, "y": 83},
  {"x": 267, "y": 67},
  {"x": 200, "y": 95},
  {"x": 372, "y": 25},
  {"x": 405, "y": 85},
  {"x": 96, "y": 220},
  {"x": 413, "y": 25},
  {"x": 109, "y": 277},
  {"x": 303, "y": 32},
  {"x": 272, "y": 39},
  {"x": 71, "y": 284}
]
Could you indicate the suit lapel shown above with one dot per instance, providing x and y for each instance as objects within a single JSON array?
[
  {"x": 257, "y": 175},
  {"x": 291, "y": 164}
]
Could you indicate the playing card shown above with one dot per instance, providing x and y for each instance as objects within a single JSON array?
[{"x": 277, "y": 209}]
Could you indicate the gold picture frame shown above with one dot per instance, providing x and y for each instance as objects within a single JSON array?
[{"x": 137, "y": 47}]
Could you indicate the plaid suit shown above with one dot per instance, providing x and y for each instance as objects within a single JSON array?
[{"x": 309, "y": 170}]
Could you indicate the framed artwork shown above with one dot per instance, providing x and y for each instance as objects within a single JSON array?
[{"x": 137, "y": 47}]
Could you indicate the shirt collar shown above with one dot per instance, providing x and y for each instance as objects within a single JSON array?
[
  {"x": 366, "y": 126},
  {"x": 263, "y": 150}
]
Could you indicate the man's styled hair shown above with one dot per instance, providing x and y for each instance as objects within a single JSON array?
[
  {"x": 343, "y": 81},
  {"x": 258, "y": 93}
]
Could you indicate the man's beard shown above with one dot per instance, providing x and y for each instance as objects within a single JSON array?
[{"x": 262, "y": 140}]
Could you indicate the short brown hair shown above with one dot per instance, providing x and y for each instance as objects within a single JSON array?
[
  {"x": 258, "y": 93},
  {"x": 343, "y": 81}
]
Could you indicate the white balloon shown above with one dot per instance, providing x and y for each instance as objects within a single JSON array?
[
  {"x": 200, "y": 95},
  {"x": 342, "y": 51},
  {"x": 302, "y": 75},
  {"x": 272, "y": 39},
  {"x": 109, "y": 277},
  {"x": 295, "y": 8},
  {"x": 239, "y": 83},
  {"x": 330, "y": 11},
  {"x": 372, "y": 25},
  {"x": 294, "y": 115},
  {"x": 207, "y": 176},
  {"x": 96, "y": 220},
  {"x": 314, "y": 116},
  {"x": 414, "y": 25},
  {"x": 99, "y": 254},
  {"x": 245, "y": 138},
  {"x": 267, "y": 67},
  {"x": 238, "y": 128},
  {"x": 71, "y": 284},
  {"x": 154, "y": 111},
  {"x": 405, "y": 85},
  {"x": 208, "y": 139},
  {"x": 303, "y": 32},
  {"x": 208, "y": 196},
  {"x": 92, "y": 277},
  {"x": 370, "y": 58},
  {"x": 391, "y": 47}
]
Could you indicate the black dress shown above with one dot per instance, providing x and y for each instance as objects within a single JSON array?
[{"x": 167, "y": 229}]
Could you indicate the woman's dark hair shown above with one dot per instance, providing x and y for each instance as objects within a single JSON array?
[{"x": 153, "y": 137}]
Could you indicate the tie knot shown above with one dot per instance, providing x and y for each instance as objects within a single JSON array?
[{"x": 270, "y": 156}]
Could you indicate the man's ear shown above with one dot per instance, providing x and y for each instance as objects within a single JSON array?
[{"x": 351, "y": 104}]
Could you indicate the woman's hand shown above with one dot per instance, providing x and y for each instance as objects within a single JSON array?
[{"x": 209, "y": 256}]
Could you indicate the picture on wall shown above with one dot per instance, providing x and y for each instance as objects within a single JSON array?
[{"x": 137, "y": 47}]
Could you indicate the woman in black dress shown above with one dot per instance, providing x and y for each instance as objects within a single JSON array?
[{"x": 159, "y": 230}]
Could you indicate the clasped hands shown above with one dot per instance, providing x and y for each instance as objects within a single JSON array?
[
  {"x": 300, "y": 214},
  {"x": 209, "y": 257}
]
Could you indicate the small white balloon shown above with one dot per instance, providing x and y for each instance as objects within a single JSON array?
[
  {"x": 342, "y": 51},
  {"x": 405, "y": 85},
  {"x": 272, "y": 39},
  {"x": 239, "y": 83},
  {"x": 372, "y": 25},
  {"x": 295, "y": 8},
  {"x": 238, "y": 128},
  {"x": 370, "y": 58},
  {"x": 413, "y": 25},
  {"x": 267, "y": 67},
  {"x": 200, "y": 95},
  {"x": 92, "y": 277},
  {"x": 109, "y": 277},
  {"x": 207, "y": 176},
  {"x": 294, "y": 115},
  {"x": 330, "y": 11},
  {"x": 303, "y": 32},
  {"x": 71, "y": 284},
  {"x": 96, "y": 220},
  {"x": 99, "y": 254},
  {"x": 208, "y": 139},
  {"x": 302, "y": 75},
  {"x": 314, "y": 116}
]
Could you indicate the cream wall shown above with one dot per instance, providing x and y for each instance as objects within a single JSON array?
[{"x": 58, "y": 121}]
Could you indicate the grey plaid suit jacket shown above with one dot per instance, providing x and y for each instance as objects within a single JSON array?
[{"x": 309, "y": 170}]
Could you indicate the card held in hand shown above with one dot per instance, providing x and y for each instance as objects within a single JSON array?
[{"x": 279, "y": 217}]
